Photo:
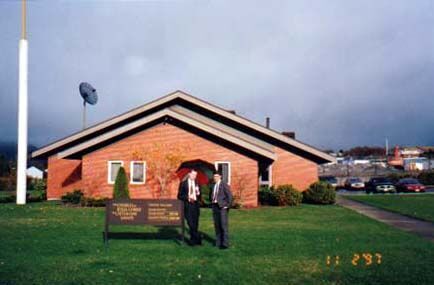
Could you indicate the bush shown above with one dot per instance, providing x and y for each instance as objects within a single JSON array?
[
  {"x": 426, "y": 178},
  {"x": 39, "y": 185},
  {"x": 72, "y": 197},
  {"x": 266, "y": 196},
  {"x": 287, "y": 195},
  {"x": 120, "y": 189},
  {"x": 396, "y": 176},
  {"x": 37, "y": 196},
  {"x": 93, "y": 202},
  {"x": 7, "y": 199},
  {"x": 283, "y": 195},
  {"x": 236, "y": 203},
  {"x": 320, "y": 193},
  {"x": 204, "y": 192},
  {"x": 8, "y": 183}
]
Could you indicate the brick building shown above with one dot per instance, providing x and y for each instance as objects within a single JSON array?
[{"x": 247, "y": 153}]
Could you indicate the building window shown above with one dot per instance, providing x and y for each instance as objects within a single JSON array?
[
  {"x": 265, "y": 175},
  {"x": 224, "y": 167},
  {"x": 113, "y": 169},
  {"x": 138, "y": 172}
]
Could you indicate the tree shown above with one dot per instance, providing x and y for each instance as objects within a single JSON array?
[
  {"x": 239, "y": 185},
  {"x": 364, "y": 151},
  {"x": 4, "y": 166},
  {"x": 162, "y": 162},
  {"x": 120, "y": 189}
]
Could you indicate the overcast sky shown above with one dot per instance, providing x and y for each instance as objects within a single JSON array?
[{"x": 338, "y": 73}]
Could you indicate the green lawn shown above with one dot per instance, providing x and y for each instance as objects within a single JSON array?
[
  {"x": 45, "y": 243},
  {"x": 418, "y": 205}
]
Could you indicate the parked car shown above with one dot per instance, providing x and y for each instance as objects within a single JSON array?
[
  {"x": 354, "y": 183},
  {"x": 380, "y": 185},
  {"x": 330, "y": 179},
  {"x": 410, "y": 185}
]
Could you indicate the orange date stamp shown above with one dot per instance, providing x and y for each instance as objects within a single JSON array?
[{"x": 358, "y": 259}]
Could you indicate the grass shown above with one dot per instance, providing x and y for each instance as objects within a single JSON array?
[
  {"x": 45, "y": 243},
  {"x": 418, "y": 205}
]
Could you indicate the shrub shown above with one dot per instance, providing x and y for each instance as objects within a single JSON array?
[
  {"x": 287, "y": 195},
  {"x": 7, "y": 198},
  {"x": 39, "y": 185},
  {"x": 204, "y": 192},
  {"x": 72, "y": 197},
  {"x": 266, "y": 196},
  {"x": 237, "y": 200},
  {"x": 38, "y": 193},
  {"x": 426, "y": 178},
  {"x": 236, "y": 203},
  {"x": 93, "y": 202},
  {"x": 320, "y": 193},
  {"x": 8, "y": 183},
  {"x": 396, "y": 176},
  {"x": 37, "y": 196},
  {"x": 120, "y": 189}
]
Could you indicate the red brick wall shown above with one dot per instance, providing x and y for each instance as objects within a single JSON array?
[
  {"x": 95, "y": 169},
  {"x": 63, "y": 176},
  {"x": 292, "y": 169}
]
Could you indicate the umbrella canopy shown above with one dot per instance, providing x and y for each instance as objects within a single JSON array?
[
  {"x": 204, "y": 170},
  {"x": 202, "y": 178}
]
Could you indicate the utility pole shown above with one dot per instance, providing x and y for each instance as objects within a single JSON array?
[{"x": 387, "y": 147}]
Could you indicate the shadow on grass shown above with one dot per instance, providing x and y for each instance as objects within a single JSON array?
[{"x": 163, "y": 233}]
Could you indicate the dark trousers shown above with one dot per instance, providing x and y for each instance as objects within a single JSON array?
[
  {"x": 220, "y": 216},
  {"x": 192, "y": 212}
]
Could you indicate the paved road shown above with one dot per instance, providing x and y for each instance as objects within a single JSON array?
[{"x": 419, "y": 227}]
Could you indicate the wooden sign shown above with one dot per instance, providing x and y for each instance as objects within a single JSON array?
[{"x": 144, "y": 212}]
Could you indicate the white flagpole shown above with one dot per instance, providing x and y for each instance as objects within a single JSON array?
[{"x": 22, "y": 112}]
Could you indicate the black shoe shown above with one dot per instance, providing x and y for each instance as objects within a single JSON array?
[{"x": 223, "y": 247}]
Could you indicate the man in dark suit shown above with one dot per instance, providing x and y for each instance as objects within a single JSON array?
[
  {"x": 189, "y": 193},
  {"x": 221, "y": 200}
]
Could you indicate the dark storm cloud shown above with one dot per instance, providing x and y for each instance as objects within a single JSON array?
[{"x": 339, "y": 73}]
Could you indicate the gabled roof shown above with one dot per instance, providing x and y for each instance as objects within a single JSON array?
[
  {"x": 208, "y": 127},
  {"x": 135, "y": 114}
]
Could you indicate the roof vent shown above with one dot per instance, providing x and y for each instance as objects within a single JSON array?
[
  {"x": 289, "y": 134},
  {"x": 267, "y": 122}
]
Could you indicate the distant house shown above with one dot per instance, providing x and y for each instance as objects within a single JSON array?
[
  {"x": 416, "y": 163},
  {"x": 239, "y": 148},
  {"x": 34, "y": 172},
  {"x": 409, "y": 152}
]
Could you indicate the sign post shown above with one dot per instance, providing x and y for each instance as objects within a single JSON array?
[{"x": 154, "y": 212}]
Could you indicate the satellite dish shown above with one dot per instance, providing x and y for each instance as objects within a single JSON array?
[{"x": 88, "y": 93}]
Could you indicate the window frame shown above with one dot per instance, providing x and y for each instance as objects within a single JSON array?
[
  {"x": 109, "y": 172},
  {"x": 132, "y": 172},
  {"x": 216, "y": 163}
]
